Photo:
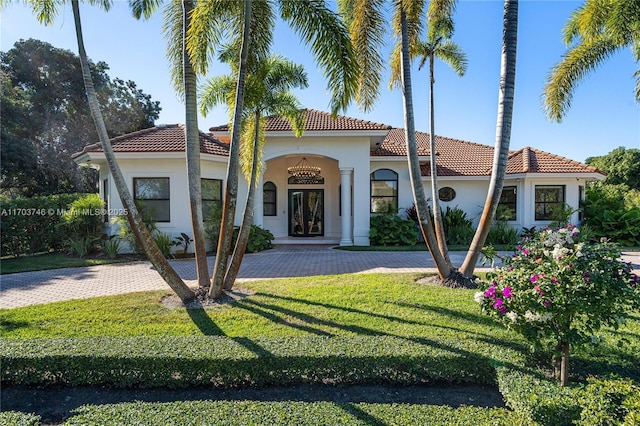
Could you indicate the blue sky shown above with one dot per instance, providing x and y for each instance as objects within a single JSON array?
[{"x": 603, "y": 116}]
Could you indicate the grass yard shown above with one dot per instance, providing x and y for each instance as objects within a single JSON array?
[
  {"x": 43, "y": 261},
  {"x": 352, "y": 328}
]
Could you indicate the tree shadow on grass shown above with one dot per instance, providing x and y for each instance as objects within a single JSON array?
[{"x": 360, "y": 414}]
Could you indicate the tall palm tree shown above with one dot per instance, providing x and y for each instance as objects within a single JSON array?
[
  {"x": 268, "y": 86},
  {"x": 438, "y": 46},
  {"x": 503, "y": 134},
  {"x": 177, "y": 21},
  {"x": 366, "y": 34},
  {"x": 597, "y": 29},
  {"x": 318, "y": 27},
  {"x": 46, "y": 11}
]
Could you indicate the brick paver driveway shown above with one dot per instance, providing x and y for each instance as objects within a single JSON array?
[{"x": 30, "y": 288}]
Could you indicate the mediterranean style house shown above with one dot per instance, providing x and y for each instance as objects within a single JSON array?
[{"x": 323, "y": 187}]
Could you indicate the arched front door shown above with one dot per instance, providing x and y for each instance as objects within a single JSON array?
[{"x": 306, "y": 212}]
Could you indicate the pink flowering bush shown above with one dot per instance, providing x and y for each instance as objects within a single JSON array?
[{"x": 558, "y": 291}]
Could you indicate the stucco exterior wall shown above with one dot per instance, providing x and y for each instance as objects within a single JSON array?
[{"x": 332, "y": 154}]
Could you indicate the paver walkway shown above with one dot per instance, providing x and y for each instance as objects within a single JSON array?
[{"x": 31, "y": 288}]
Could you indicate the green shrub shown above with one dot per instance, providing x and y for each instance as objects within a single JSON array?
[
  {"x": 16, "y": 418},
  {"x": 164, "y": 242},
  {"x": 249, "y": 412},
  {"x": 84, "y": 217},
  {"x": 177, "y": 362},
  {"x": 610, "y": 401},
  {"x": 537, "y": 397},
  {"x": 458, "y": 227},
  {"x": 501, "y": 233},
  {"x": 392, "y": 230},
  {"x": 82, "y": 246},
  {"x": 125, "y": 232},
  {"x": 32, "y": 225},
  {"x": 112, "y": 246},
  {"x": 259, "y": 239},
  {"x": 612, "y": 212}
]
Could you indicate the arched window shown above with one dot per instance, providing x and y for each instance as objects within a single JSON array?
[
  {"x": 269, "y": 199},
  {"x": 384, "y": 191}
]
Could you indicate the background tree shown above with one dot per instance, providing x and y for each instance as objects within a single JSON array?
[
  {"x": 612, "y": 206},
  {"x": 46, "y": 117},
  {"x": 621, "y": 165},
  {"x": 595, "y": 31},
  {"x": 46, "y": 11}
]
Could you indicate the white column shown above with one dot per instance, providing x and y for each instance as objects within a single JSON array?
[
  {"x": 258, "y": 203},
  {"x": 346, "y": 238}
]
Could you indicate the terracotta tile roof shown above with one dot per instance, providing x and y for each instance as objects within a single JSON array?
[
  {"x": 461, "y": 158},
  {"x": 318, "y": 121},
  {"x": 166, "y": 138}
]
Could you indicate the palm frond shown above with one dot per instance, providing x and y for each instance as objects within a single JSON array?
[
  {"x": 285, "y": 75},
  {"x": 46, "y": 11},
  {"x": 330, "y": 44},
  {"x": 210, "y": 20},
  {"x": 564, "y": 76},
  {"x": 144, "y": 8},
  {"x": 285, "y": 104},
  {"x": 450, "y": 53},
  {"x": 219, "y": 90},
  {"x": 367, "y": 29},
  {"x": 587, "y": 21},
  {"x": 173, "y": 33}
]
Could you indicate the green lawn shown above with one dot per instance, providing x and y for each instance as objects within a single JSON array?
[
  {"x": 42, "y": 261},
  {"x": 318, "y": 325}
]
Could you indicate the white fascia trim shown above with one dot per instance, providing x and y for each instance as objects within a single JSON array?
[
  {"x": 456, "y": 178},
  {"x": 330, "y": 133},
  {"x": 588, "y": 176},
  {"x": 100, "y": 157}
]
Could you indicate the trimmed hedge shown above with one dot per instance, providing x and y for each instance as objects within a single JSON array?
[
  {"x": 33, "y": 225},
  {"x": 225, "y": 362},
  {"x": 16, "y": 418},
  {"x": 290, "y": 413},
  {"x": 537, "y": 397}
]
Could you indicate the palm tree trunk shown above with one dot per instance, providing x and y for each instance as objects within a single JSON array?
[
  {"x": 437, "y": 212},
  {"x": 138, "y": 227},
  {"x": 503, "y": 134},
  {"x": 422, "y": 208},
  {"x": 231, "y": 188},
  {"x": 192, "y": 137},
  {"x": 247, "y": 217}
]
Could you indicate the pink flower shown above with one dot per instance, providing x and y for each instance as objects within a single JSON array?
[
  {"x": 525, "y": 251},
  {"x": 534, "y": 278},
  {"x": 490, "y": 292},
  {"x": 507, "y": 292},
  {"x": 546, "y": 303},
  {"x": 500, "y": 306}
]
